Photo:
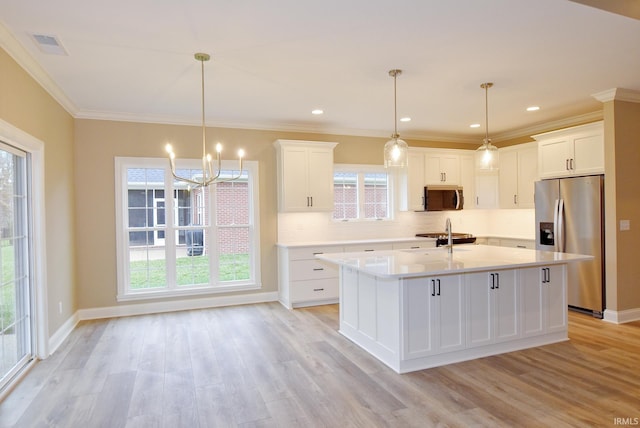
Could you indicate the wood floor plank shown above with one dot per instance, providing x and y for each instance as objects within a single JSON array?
[{"x": 266, "y": 366}]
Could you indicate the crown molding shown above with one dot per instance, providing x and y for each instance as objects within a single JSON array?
[
  {"x": 20, "y": 55},
  {"x": 618, "y": 94},
  {"x": 546, "y": 126}
]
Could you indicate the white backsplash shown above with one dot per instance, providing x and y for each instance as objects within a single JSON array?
[{"x": 314, "y": 227}]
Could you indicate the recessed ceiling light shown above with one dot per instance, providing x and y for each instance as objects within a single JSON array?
[
  {"x": 474, "y": 125},
  {"x": 405, "y": 119},
  {"x": 533, "y": 108},
  {"x": 317, "y": 111}
]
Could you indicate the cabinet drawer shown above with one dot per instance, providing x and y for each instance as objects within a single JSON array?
[
  {"x": 413, "y": 245},
  {"x": 300, "y": 270},
  {"x": 368, "y": 247},
  {"x": 309, "y": 253},
  {"x": 319, "y": 289}
]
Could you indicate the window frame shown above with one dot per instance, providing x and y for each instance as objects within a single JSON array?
[
  {"x": 360, "y": 171},
  {"x": 171, "y": 288}
]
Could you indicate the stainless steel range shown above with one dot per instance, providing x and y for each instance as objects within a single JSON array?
[{"x": 442, "y": 238}]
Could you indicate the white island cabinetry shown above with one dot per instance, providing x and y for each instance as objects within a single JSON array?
[{"x": 415, "y": 309}]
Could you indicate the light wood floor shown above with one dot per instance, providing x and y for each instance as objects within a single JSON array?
[{"x": 265, "y": 366}]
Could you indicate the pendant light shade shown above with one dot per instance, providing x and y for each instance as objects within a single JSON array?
[
  {"x": 395, "y": 150},
  {"x": 487, "y": 156}
]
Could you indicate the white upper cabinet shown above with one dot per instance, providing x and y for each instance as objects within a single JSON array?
[
  {"x": 442, "y": 168},
  {"x": 572, "y": 151},
  {"x": 517, "y": 175},
  {"x": 305, "y": 175}
]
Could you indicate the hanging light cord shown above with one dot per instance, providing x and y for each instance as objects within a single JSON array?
[
  {"x": 486, "y": 87},
  {"x": 395, "y": 73}
]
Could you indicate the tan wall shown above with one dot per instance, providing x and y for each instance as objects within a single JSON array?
[
  {"x": 626, "y": 134},
  {"x": 99, "y": 142},
  {"x": 25, "y": 105}
]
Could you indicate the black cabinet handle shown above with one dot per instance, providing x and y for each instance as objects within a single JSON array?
[
  {"x": 316, "y": 269},
  {"x": 369, "y": 250},
  {"x": 566, "y": 164},
  {"x": 433, "y": 287},
  {"x": 315, "y": 254},
  {"x": 497, "y": 280},
  {"x": 318, "y": 289},
  {"x": 311, "y": 197},
  {"x": 438, "y": 286},
  {"x": 493, "y": 281}
]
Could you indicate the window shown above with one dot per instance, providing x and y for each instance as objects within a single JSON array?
[
  {"x": 174, "y": 240},
  {"x": 361, "y": 192}
]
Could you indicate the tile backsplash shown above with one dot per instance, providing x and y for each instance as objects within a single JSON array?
[{"x": 314, "y": 227}]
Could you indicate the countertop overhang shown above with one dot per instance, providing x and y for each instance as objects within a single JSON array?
[{"x": 438, "y": 261}]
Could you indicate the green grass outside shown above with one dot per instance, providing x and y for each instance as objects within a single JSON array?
[
  {"x": 7, "y": 289},
  {"x": 189, "y": 270}
]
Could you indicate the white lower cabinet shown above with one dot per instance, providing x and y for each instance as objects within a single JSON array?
[
  {"x": 434, "y": 317},
  {"x": 305, "y": 280},
  {"x": 543, "y": 303},
  {"x": 492, "y": 303}
]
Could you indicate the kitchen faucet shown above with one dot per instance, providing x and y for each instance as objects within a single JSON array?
[{"x": 449, "y": 236}]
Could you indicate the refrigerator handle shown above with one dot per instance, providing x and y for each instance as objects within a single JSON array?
[
  {"x": 560, "y": 238},
  {"x": 556, "y": 242}
]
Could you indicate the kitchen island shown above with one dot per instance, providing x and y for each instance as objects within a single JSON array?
[{"x": 420, "y": 308}]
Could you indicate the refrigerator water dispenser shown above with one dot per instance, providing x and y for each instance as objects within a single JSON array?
[{"x": 546, "y": 233}]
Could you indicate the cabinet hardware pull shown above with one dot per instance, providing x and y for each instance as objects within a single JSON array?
[
  {"x": 521, "y": 246},
  {"x": 311, "y": 197},
  {"x": 318, "y": 268},
  {"x": 477, "y": 200},
  {"x": 369, "y": 250},
  {"x": 433, "y": 287},
  {"x": 318, "y": 289},
  {"x": 315, "y": 254},
  {"x": 414, "y": 248},
  {"x": 566, "y": 164},
  {"x": 571, "y": 164},
  {"x": 438, "y": 286},
  {"x": 497, "y": 281},
  {"x": 493, "y": 281},
  {"x": 515, "y": 199}
]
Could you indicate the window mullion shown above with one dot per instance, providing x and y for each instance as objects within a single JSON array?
[
  {"x": 170, "y": 231},
  {"x": 212, "y": 235},
  {"x": 360, "y": 196}
]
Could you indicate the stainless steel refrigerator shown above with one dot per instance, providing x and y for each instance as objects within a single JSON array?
[{"x": 570, "y": 219}]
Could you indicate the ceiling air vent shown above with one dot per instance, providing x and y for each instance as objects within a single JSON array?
[{"x": 49, "y": 44}]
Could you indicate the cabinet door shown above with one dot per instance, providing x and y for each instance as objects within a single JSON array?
[
  {"x": 479, "y": 307},
  {"x": 486, "y": 191},
  {"x": 433, "y": 173},
  {"x": 508, "y": 179},
  {"x": 588, "y": 154},
  {"x": 553, "y": 157},
  {"x": 527, "y": 176},
  {"x": 531, "y": 301},
  {"x": 556, "y": 299},
  {"x": 320, "y": 179},
  {"x": 295, "y": 186},
  {"x": 450, "y": 167},
  {"x": 450, "y": 313},
  {"x": 467, "y": 181},
  {"x": 506, "y": 299},
  {"x": 416, "y": 181}
]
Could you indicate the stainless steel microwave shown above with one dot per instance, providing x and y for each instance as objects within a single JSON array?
[{"x": 443, "y": 198}]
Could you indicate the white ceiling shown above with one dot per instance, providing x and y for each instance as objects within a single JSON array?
[{"x": 274, "y": 61}]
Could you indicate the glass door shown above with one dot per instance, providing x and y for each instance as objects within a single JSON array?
[{"x": 16, "y": 325}]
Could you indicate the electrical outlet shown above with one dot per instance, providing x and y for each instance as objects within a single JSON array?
[
  {"x": 60, "y": 307},
  {"x": 625, "y": 225}
]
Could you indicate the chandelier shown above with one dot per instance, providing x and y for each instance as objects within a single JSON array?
[
  {"x": 210, "y": 174},
  {"x": 487, "y": 153},
  {"x": 395, "y": 150}
]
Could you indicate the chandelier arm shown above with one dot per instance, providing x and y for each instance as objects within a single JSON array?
[{"x": 233, "y": 177}]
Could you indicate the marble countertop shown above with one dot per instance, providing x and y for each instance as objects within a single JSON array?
[
  {"x": 437, "y": 261},
  {"x": 353, "y": 242}
]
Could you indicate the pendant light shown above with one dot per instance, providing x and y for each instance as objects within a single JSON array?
[
  {"x": 395, "y": 150},
  {"x": 210, "y": 174},
  {"x": 487, "y": 153}
]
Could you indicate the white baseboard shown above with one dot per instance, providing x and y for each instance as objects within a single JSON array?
[
  {"x": 175, "y": 305},
  {"x": 62, "y": 333},
  {"x": 621, "y": 317}
]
